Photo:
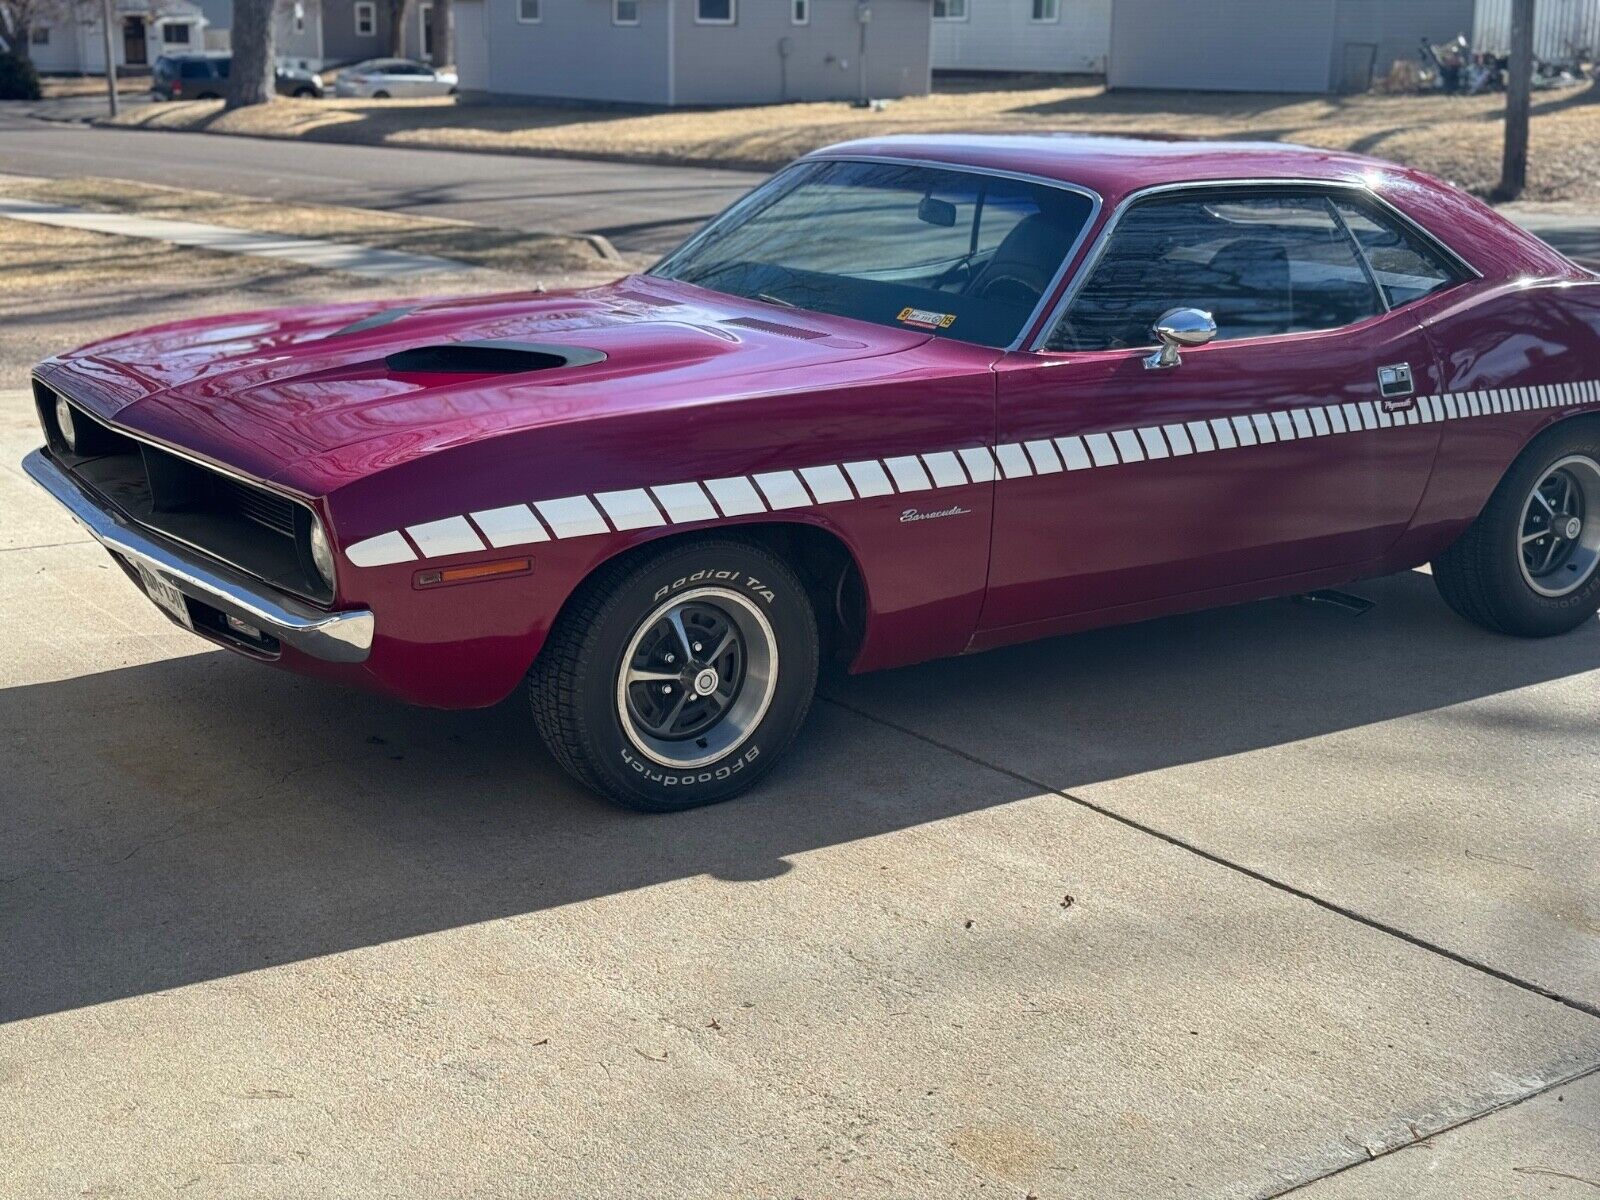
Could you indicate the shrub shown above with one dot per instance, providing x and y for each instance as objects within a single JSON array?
[{"x": 18, "y": 79}]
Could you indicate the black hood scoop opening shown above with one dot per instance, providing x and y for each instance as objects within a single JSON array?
[{"x": 489, "y": 358}]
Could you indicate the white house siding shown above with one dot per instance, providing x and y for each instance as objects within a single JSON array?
[
  {"x": 1270, "y": 45},
  {"x": 574, "y": 52},
  {"x": 64, "y": 51},
  {"x": 1001, "y": 35},
  {"x": 1562, "y": 29},
  {"x": 743, "y": 63}
]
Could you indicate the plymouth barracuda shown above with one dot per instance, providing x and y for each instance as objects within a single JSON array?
[{"x": 912, "y": 397}]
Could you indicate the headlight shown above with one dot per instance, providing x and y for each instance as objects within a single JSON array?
[
  {"x": 321, "y": 552},
  {"x": 64, "y": 425}
]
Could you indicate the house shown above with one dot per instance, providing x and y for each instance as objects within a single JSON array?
[
  {"x": 319, "y": 34},
  {"x": 219, "y": 23},
  {"x": 692, "y": 52},
  {"x": 1271, "y": 45},
  {"x": 1057, "y": 36},
  {"x": 70, "y": 39}
]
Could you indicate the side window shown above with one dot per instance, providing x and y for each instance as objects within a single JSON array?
[
  {"x": 1263, "y": 264},
  {"x": 1406, "y": 267}
]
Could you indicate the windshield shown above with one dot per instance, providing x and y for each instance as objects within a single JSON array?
[{"x": 956, "y": 253}]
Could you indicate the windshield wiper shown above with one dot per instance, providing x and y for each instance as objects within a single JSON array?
[{"x": 776, "y": 300}]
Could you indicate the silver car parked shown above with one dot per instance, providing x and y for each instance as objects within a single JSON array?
[{"x": 381, "y": 78}]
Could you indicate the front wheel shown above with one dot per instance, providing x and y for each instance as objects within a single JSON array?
[
  {"x": 678, "y": 679},
  {"x": 1528, "y": 565}
]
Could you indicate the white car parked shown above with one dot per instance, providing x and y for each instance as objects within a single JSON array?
[{"x": 381, "y": 78}]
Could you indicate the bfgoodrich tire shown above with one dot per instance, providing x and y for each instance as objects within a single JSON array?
[
  {"x": 1530, "y": 564},
  {"x": 678, "y": 679}
]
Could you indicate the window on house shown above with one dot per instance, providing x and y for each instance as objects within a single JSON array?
[
  {"x": 366, "y": 19},
  {"x": 175, "y": 35},
  {"x": 1046, "y": 10},
  {"x": 624, "y": 12},
  {"x": 528, "y": 11},
  {"x": 299, "y": 21},
  {"x": 39, "y": 35},
  {"x": 800, "y": 12},
  {"x": 425, "y": 23},
  {"x": 715, "y": 12},
  {"x": 949, "y": 10}
]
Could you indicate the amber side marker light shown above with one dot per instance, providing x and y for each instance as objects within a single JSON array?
[{"x": 490, "y": 570}]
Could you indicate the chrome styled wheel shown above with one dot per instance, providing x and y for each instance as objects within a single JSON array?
[
  {"x": 697, "y": 677},
  {"x": 1558, "y": 539}
]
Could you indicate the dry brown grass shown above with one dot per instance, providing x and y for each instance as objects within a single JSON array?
[
  {"x": 1457, "y": 137},
  {"x": 55, "y": 87},
  {"x": 63, "y": 287},
  {"x": 475, "y": 245}
]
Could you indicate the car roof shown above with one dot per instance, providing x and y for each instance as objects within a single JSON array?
[{"x": 1115, "y": 166}]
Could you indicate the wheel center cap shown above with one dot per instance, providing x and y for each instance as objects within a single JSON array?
[
  {"x": 1572, "y": 528},
  {"x": 705, "y": 682}
]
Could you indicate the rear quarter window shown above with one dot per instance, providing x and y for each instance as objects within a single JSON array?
[{"x": 1406, "y": 267}]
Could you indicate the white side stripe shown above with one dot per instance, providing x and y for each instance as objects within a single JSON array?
[
  {"x": 571, "y": 516},
  {"x": 735, "y": 496},
  {"x": 739, "y": 495},
  {"x": 684, "y": 502},
  {"x": 783, "y": 489},
  {"x": 631, "y": 509},
  {"x": 514, "y": 525},
  {"x": 945, "y": 468},
  {"x": 979, "y": 463},
  {"x": 437, "y": 539},
  {"x": 380, "y": 551},
  {"x": 908, "y": 473},
  {"x": 869, "y": 478},
  {"x": 827, "y": 484}
]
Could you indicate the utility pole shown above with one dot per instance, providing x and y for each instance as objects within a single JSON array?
[
  {"x": 1519, "y": 99},
  {"x": 111, "y": 59}
]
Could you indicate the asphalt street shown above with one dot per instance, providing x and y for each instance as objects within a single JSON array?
[{"x": 642, "y": 209}]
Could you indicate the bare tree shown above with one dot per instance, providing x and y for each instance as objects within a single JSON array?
[
  {"x": 251, "y": 78},
  {"x": 1519, "y": 101},
  {"x": 398, "y": 11},
  {"x": 443, "y": 44}
]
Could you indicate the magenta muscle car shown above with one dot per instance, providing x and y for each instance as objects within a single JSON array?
[{"x": 912, "y": 397}]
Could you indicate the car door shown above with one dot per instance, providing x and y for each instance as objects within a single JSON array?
[{"x": 1270, "y": 453}]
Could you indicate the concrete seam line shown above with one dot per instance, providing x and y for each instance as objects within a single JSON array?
[
  {"x": 1509, "y": 1102},
  {"x": 1527, "y": 985}
]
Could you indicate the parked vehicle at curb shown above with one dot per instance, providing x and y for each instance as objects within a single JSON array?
[
  {"x": 383, "y": 78},
  {"x": 912, "y": 397},
  {"x": 205, "y": 77}
]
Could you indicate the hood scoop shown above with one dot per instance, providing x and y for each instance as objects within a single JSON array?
[{"x": 489, "y": 358}]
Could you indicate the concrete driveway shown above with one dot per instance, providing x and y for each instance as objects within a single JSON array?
[{"x": 1229, "y": 905}]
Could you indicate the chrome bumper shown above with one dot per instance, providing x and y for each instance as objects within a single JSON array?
[{"x": 333, "y": 636}]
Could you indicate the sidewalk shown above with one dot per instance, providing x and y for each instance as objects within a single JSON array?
[{"x": 324, "y": 255}]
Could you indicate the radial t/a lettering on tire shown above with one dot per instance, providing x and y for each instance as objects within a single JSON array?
[
  {"x": 1530, "y": 564},
  {"x": 677, "y": 678}
]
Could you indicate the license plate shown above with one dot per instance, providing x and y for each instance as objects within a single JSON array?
[{"x": 165, "y": 594}]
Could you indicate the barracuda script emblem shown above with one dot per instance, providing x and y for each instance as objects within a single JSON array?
[{"x": 912, "y": 514}]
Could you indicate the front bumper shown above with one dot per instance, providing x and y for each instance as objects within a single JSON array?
[{"x": 343, "y": 637}]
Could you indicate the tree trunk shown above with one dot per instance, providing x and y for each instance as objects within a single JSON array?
[
  {"x": 444, "y": 48},
  {"x": 252, "y": 78},
  {"x": 399, "y": 11},
  {"x": 1519, "y": 100}
]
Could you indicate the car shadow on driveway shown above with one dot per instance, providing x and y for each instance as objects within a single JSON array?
[{"x": 198, "y": 817}]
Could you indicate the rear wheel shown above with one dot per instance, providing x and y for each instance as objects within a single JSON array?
[
  {"x": 678, "y": 679},
  {"x": 380, "y": 95},
  {"x": 1530, "y": 564}
]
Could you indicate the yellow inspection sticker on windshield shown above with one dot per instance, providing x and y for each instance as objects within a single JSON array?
[{"x": 925, "y": 319}]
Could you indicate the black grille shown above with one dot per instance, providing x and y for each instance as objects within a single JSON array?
[
  {"x": 250, "y": 527},
  {"x": 264, "y": 508}
]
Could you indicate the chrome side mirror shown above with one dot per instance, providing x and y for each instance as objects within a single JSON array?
[{"x": 1179, "y": 329}]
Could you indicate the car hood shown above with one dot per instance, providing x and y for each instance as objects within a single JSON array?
[{"x": 283, "y": 394}]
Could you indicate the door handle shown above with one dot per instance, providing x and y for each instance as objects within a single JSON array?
[{"x": 1396, "y": 387}]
